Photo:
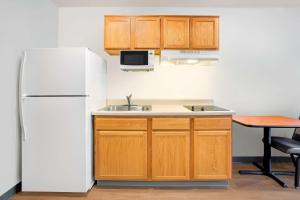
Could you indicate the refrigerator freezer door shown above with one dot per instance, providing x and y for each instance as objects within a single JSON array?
[
  {"x": 56, "y": 71},
  {"x": 54, "y": 152}
]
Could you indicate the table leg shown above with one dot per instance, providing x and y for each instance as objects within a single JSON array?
[
  {"x": 258, "y": 166},
  {"x": 253, "y": 172},
  {"x": 267, "y": 150},
  {"x": 266, "y": 169},
  {"x": 285, "y": 173},
  {"x": 267, "y": 162}
]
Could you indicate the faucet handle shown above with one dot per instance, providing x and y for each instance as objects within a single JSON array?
[
  {"x": 129, "y": 99},
  {"x": 130, "y": 95}
]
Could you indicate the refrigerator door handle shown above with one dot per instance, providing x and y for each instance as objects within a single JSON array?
[{"x": 22, "y": 98}]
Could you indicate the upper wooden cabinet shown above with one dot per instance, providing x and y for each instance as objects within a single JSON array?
[
  {"x": 161, "y": 32},
  {"x": 146, "y": 32},
  {"x": 204, "y": 33},
  {"x": 117, "y": 32},
  {"x": 175, "y": 32}
]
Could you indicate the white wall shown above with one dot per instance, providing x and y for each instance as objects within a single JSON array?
[
  {"x": 258, "y": 72},
  {"x": 23, "y": 24}
]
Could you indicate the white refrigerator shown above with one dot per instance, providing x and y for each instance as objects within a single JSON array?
[{"x": 59, "y": 88}]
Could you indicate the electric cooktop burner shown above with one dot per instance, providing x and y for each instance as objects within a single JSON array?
[{"x": 197, "y": 108}]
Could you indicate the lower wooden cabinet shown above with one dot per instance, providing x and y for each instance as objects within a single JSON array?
[
  {"x": 121, "y": 155},
  {"x": 162, "y": 148},
  {"x": 170, "y": 155},
  {"x": 212, "y": 155}
]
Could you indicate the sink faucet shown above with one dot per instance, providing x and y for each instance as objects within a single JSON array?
[{"x": 129, "y": 99}]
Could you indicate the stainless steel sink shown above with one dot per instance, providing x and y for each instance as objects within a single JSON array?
[{"x": 127, "y": 108}]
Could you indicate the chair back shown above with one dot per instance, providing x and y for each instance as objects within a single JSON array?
[{"x": 296, "y": 135}]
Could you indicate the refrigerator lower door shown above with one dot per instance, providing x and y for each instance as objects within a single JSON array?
[{"x": 54, "y": 153}]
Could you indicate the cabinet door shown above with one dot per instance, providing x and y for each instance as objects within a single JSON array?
[
  {"x": 212, "y": 155},
  {"x": 175, "y": 32},
  {"x": 121, "y": 155},
  {"x": 146, "y": 33},
  {"x": 170, "y": 155},
  {"x": 204, "y": 32},
  {"x": 117, "y": 32}
]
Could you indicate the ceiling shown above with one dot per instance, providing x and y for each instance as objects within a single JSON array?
[{"x": 183, "y": 3}]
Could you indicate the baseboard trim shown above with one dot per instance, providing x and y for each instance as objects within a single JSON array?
[
  {"x": 165, "y": 184},
  {"x": 250, "y": 159},
  {"x": 11, "y": 192}
]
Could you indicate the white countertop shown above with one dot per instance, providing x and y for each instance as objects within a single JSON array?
[{"x": 163, "y": 110}]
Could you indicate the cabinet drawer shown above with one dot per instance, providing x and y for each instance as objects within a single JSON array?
[
  {"x": 171, "y": 123},
  {"x": 120, "y": 123},
  {"x": 213, "y": 123}
]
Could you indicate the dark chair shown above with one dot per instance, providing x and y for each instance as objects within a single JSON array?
[{"x": 292, "y": 147}]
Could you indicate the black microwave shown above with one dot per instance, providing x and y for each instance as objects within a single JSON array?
[{"x": 137, "y": 60}]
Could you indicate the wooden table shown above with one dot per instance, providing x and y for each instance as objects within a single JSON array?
[{"x": 267, "y": 122}]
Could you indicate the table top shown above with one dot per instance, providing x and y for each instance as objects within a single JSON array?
[{"x": 267, "y": 121}]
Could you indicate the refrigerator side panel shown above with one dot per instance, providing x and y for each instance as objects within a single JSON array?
[
  {"x": 97, "y": 88},
  {"x": 54, "y": 71},
  {"x": 96, "y": 79},
  {"x": 53, "y": 155}
]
